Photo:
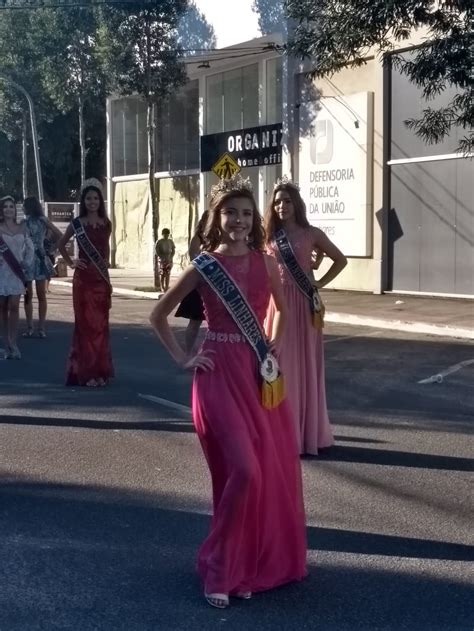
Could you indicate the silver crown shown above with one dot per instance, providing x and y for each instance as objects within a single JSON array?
[
  {"x": 92, "y": 181},
  {"x": 285, "y": 181},
  {"x": 234, "y": 183}
]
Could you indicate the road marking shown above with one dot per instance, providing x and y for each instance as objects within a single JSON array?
[
  {"x": 438, "y": 377},
  {"x": 166, "y": 403}
]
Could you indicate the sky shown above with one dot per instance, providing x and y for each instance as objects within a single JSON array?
[{"x": 233, "y": 20}]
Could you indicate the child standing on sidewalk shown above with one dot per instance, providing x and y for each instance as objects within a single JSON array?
[{"x": 165, "y": 250}]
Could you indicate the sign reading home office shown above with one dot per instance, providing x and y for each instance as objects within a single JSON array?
[
  {"x": 252, "y": 147},
  {"x": 335, "y": 169}
]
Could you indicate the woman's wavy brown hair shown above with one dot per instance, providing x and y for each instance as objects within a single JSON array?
[
  {"x": 270, "y": 218},
  {"x": 212, "y": 233}
]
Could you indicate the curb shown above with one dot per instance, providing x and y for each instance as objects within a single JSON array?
[
  {"x": 118, "y": 291},
  {"x": 400, "y": 325},
  {"x": 335, "y": 317}
]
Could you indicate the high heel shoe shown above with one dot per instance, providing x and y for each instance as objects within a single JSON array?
[{"x": 219, "y": 601}]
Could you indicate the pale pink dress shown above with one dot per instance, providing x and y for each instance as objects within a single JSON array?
[
  {"x": 302, "y": 355},
  {"x": 257, "y": 535}
]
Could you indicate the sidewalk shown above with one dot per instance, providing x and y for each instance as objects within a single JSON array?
[{"x": 415, "y": 314}]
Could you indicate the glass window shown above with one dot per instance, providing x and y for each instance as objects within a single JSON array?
[
  {"x": 250, "y": 86},
  {"x": 177, "y": 135},
  {"x": 129, "y": 138},
  {"x": 232, "y": 100},
  {"x": 214, "y": 113},
  {"x": 274, "y": 107}
]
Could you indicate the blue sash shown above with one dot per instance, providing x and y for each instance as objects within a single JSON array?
[
  {"x": 219, "y": 279},
  {"x": 91, "y": 251},
  {"x": 288, "y": 257},
  {"x": 11, "y": 260}
]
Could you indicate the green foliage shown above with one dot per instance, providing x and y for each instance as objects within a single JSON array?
[
  {"x": 335, "y": 33},
  {"x": 139, "y": 47}
]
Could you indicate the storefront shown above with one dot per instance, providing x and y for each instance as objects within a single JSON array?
[
  {"x": 229, "y": 107},
  {"x": 401, "y": 210}
]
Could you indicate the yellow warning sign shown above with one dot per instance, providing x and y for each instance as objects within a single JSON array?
[{"x": 225, "y": 167}]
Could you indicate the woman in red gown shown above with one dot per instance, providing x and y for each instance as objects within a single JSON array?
[{"x": 89, "y": 362}]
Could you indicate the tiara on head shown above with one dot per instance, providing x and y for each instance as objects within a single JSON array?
[
  {"x": 233, "y": 184},
  {"x": 93, "y": 181},
  {"x": 285, "y": 181}
]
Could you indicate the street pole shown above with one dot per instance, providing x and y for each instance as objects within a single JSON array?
[{"x": 34, "y": 134}]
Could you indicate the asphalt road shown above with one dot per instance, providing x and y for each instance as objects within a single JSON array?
[{"x": 104, "y": 494}]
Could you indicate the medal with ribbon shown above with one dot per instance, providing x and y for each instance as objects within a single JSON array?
[
  {"x": 289, "y": 260},
  {"x": 219, "y": 279}
]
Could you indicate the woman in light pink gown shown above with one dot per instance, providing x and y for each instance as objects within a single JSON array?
[
  {"x": 302, "y": 351},
  {"x": 257, "y": 534}
]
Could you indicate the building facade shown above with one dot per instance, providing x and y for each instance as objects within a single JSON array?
[{"x": 402, "y": 211}]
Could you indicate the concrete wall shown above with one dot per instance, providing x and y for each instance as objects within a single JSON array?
[{"x": 363, "y": 274}]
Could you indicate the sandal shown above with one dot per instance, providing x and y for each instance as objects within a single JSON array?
[
  {"x": 92, "y": 383},
  {"x": 243, "y": 595},
  {"x": 220, "y": 601},
  {"x": 41, "y": 334},
  {"x": 28, "y": 333}
]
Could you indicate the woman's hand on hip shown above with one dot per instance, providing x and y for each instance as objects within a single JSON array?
[{"x": 201, "y": 361}]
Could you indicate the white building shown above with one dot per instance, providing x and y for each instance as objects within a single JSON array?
[{"x": 401, "y": 211}]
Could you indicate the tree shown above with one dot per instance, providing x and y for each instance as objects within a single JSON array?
[
  {"x": 338, "y": 33},
  {"x": 140, "y": 51},
  {"x": 271, "y": 16},
  {"x": 72, "y": 73},
  {"x": 19, "y": 65}
]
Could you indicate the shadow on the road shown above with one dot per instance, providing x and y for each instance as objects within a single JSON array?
[
  {"x": 45, "y": 421},
  {"x": 356, "y": 542},
  {"x": 358, "y": 439},
  {"x": 96, "y": 558},
  {"x": 343, "y": 453}
]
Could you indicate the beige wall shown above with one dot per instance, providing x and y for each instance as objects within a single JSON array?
[
  {"x": 363, "y": 274},
  {"x": 132, "y": 225},
  {"x": 132, "y": 220},
  {"x": 179, "y": 197}
]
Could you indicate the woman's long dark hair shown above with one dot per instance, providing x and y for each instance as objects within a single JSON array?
[
  {"x": 212, "y": 234},
  {"x": 272, "y": 220},
  {"x": 82, "y": 203},
  {"x": 7, "y": 198},
  {"x": 33, "y": 207}
]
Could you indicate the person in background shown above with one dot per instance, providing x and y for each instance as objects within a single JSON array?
[
  {"x": 191, "y": 307},
  {"x": 299, "y": 248},
  {"x": 41, "y": 269},
  {"x": 90, "y": 362},
  {"x": 16, "y": 254},
  {"x": 257, "y": 535},
  {"x": 164, "y": 251}
]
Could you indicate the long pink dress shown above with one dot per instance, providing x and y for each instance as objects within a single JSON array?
[
  {"x": 257, "y": 537},
  {"x": 302, "y": 356}
]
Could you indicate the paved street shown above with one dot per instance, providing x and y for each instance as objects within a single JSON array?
[{"x": 105, "y": 496}]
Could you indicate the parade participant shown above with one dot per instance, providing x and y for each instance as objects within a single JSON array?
[
  {"x": 298, "y": 247},
  {"x": 41, "y": 269},
  {"x": 191, "y": 307},
  {"x": 257, "y": 535},
  {"x": 165, "y": 250},
  {"x": 16, "y": 254},
  {"x": 90, "y": 361}
]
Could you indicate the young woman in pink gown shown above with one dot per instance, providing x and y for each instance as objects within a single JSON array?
[
  {"x": 257, "y": 534},
  {"x": 302, "y": 351}
]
